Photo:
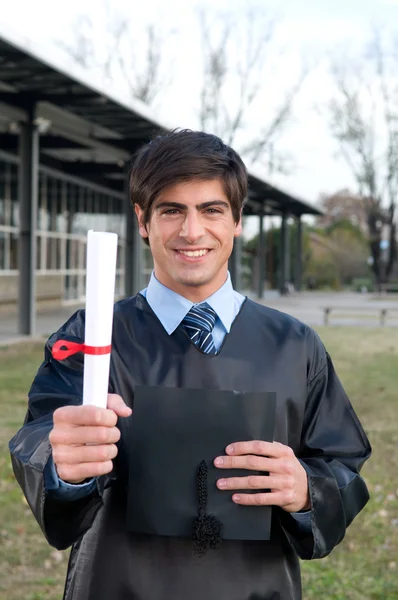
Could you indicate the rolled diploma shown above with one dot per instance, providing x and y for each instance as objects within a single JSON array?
[{"x": 100, "y": 295}]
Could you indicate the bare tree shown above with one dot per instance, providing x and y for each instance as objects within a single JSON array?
[
  {"x": 121, "y": 55},
  {"x": 81, "y": 50},
  {"x": 235, "y": 57},
  {"x": 364, "y": 121},
  {"x": 342, "y": 206},
  {"x": 238, "y": 55}
]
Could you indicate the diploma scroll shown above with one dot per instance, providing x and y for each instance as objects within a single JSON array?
[{"x": 100, "y": 295}]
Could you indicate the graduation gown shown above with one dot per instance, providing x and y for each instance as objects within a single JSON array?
[{"x": 265, "y": 351}]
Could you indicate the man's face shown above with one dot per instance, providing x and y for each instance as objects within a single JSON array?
[{"x": 191, "y": 233}]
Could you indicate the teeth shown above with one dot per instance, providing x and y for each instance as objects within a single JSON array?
[{"x": 195, "y": 253}]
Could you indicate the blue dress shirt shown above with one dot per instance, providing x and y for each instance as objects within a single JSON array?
[{"x": 171, "y": 309}]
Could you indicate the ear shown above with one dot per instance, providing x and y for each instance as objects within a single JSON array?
[
  {"x": 238, "y": 227},
  {"x": 140, "y": 218}
]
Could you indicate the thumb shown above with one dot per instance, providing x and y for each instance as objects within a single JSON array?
[{"x": 117, "y": 404}]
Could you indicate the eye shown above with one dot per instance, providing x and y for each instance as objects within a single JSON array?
[
  {"x": 171, "y": 211},
  {"x": 213, "y": 211}
]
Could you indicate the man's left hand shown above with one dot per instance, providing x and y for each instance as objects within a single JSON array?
[{"x": 286, "y": 478}]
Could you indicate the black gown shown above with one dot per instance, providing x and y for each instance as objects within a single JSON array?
[{"x": 265, "y": 351}]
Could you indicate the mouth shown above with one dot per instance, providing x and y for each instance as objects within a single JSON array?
[
  {"x": 193, "y": 256},
  {"x": 193, "y": 253}
]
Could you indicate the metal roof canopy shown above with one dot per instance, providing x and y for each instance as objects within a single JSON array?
[{"x": 92, "y": 133}]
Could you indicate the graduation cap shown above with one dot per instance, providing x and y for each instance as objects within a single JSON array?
[{"x": 176, "y": 434}]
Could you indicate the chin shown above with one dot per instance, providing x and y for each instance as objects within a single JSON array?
[{"x": 191, "y": 280}]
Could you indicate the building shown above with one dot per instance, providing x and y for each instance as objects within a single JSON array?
[{"x": 65, "y": 145}]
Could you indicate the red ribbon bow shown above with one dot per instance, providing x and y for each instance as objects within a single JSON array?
[{"x": 64, "y": 348}]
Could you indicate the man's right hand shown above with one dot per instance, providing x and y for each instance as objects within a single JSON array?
[{"x": 84, "y": 438}]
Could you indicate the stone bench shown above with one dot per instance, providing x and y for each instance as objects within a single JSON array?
[{"x": 376, "y": 311}]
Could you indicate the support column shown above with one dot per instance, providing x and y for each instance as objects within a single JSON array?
[
  {"x": 235, "y": 265},
  {"x": 28, "y": 200},
  {"x": 288, "y": 274},
  {"x": 69, "y": 265},
  {"x": 261, "y": 254},
  {"x": 299, "y": 255},
  {"x": 134, "y": 252},
  {"x": 283, "y": 250}
]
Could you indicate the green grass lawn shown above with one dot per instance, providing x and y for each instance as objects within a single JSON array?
[{"x": 363, "y": 567}]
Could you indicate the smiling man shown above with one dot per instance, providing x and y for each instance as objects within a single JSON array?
[
  {"x": 242, "y": 452},
  {"x": 191, "y": 234}
]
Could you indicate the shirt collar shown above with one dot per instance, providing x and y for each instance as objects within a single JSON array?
[{"x": 171, "y": 308}]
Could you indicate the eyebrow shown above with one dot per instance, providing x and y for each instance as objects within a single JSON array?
[{"x": 202, "y": 206}]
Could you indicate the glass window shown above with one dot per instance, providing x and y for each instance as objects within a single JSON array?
[
  {"x": 2, "y": 250},
  {"x": 70, "y": 207},
  {"x": 80, "y": 220},
  {"x": 15, "y": 213},
  {"x": 7, "y": 250},
  {"x": 2, "y": 192},
  {"x": 58, "y": 193},
  {"x": 7, "y": 194},
  {"x": 51, "y": 254},
  {"x": 44, "y": 222},
  {"x": 59, "y": 254},
  {"x": 90, "y": 203},
  {"x": 13, "y": 195},
  {"x": 82, "y": 200},
  {"x": 39, "y": 241},
  {"x": 73, "y": 260},
  {"x": 71, "y": 287},
  {"x": 52, "y": 203},
  {"x": 14, "y": 251},
  {"x": 123, "y": 227},
  {"x": 118, "y": 286},
  {"x": 120, "y": 257}
]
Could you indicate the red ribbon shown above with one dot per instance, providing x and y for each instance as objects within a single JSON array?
[{"x": 64, "y": 348}]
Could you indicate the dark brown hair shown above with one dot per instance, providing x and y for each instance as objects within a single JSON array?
[{"x": 184, "y": 155}]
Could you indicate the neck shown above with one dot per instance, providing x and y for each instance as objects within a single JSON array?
[{"x": 195, "y": 294}]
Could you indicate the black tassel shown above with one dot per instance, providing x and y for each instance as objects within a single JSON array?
[{"x": 207, "y": 528}]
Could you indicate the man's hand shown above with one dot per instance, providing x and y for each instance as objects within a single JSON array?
[
  {"x": 83, "y": 439},
  {"x": 287, "y": 478}
]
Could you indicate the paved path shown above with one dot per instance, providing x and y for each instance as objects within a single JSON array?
[
  {"x": 307, "y": 306},
  {"x": 46, "y": 323}
]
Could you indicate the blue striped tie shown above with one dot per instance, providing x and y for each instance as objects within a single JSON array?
[{"x": 199, "y": 323}]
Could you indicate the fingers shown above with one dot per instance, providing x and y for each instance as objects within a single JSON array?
[
  {"x": 83, "y": 439},
  {"x": 117, "y": 404},
  {"x": 63, "y": 455},
  {"x": 256, "y": 482},
  {"x": 270, "y": 449},
  {"x": 84, "y": 435},
  {"x": 82, "y": 471},
  {"x": 85, "y": 415},
  {"x": 93, "y": 415},
  {"x": 252, "y": 463},
  {"x": 265, "y": 499},
  {"x": 287, "y": 480},
  {"x": 282, "y": 491}
]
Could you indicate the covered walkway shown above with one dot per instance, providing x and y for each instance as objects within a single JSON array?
[{"x": 65, "y": 146}]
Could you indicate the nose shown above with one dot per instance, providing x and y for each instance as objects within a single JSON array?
[{"x": 192, "y": 228}]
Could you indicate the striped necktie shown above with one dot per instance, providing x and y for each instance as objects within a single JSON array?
[{"x": 199, "y": 323}]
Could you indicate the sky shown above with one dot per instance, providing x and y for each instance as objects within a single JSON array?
[{"x": 307, "y": 30}]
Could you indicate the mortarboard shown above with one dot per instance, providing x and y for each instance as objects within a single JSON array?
[{"x": 176, "y": 434}]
